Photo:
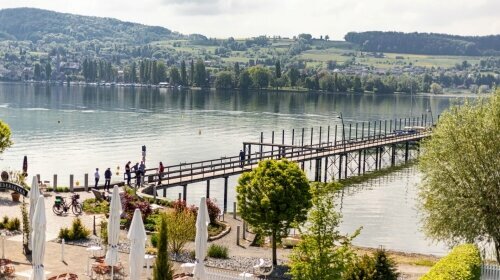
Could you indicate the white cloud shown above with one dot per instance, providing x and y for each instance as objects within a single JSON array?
[{"x": 243, "y": 18}]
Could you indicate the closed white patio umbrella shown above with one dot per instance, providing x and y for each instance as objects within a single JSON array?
[
  {"x": 34, "y": 194},
  {"x": 38, "y": 237},
  {"x": 114, "y": 229},
  {"x": 202, "y": 221},
  {"x": 137, "y": 237}
]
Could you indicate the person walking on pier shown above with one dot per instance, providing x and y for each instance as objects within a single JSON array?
[
  {"x": 127, "y": 171},
  {"x": 242, "y": 158},
  {"x": 107, "y": 179},
  {"x": 96, "y": 177},
  {"x": 161, "y": 169}
]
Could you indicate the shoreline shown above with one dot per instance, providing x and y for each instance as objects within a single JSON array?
[{"x": 448, "y": 91}]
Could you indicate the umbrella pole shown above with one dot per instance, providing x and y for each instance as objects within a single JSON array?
[{"x": 112, "y": 271}]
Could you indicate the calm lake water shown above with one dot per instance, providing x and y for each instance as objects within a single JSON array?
[{"x": 72, "y": 130}]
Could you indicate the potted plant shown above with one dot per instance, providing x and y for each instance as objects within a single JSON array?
[{"x": 15, "y": 196}]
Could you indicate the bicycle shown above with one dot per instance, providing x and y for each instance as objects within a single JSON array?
[{"x": 60, "y": 205}]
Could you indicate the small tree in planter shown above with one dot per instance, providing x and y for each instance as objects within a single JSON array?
[{"x": 26, "y": 227}]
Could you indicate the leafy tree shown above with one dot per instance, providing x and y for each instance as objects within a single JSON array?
[
  {"x": 357, "y": 87},
  {"x": 184, "y": 79},
  {"x": 277, "y": 69},
  {"x": 5, "y": 133},
  {"x": 236, "y": 70},
  {"x": 224, "y": 80},
  {"x": 461, "y": 184},
  {"x": 260, "y": 76},
  {"x": 191, "y": 73},
  {"x": 161, "y": 71},
  {"x": 200, "y": 74},
  {"x": 37, "y": 72},
  {"x": 175, "y": 77},
  {"x": 323, "y": 252},
  {"x": 293, "y": 76},
  {"x": 272, "y": 197},
  {"x": 133, "y": 73},
  {"x": 48, "y": 71},
  {"x": 436, "y": 88},
  {"x": 162, "y": 269},
  {"x": 245, "y": 80}
]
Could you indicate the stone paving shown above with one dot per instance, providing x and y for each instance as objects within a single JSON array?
[{"x": 76, "y": 257}]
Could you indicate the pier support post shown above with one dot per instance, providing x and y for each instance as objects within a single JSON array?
[
  {"x": 55, "y": 182},
  {"x": 164, "y": 192},
  {"x": 407, "y": 146},
  {"x": 326, "y": 168},
  {"x": 86, "y": 182},
  {"x": 376, "y": 158},
  {"x": 208, "y": 189},
  {"x": 71, "y": 188},
  {"x": 184, "y": 192},
  {"x": 340, "y": 166},
  {"x": 359, "y": 162},
  {"x": 346, "y": 163},
  {"x": 393, "y": 155},
  {"x": 225, "y": 194},
  {"x": 364, "y": 161}
]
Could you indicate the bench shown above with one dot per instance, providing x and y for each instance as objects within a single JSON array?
[{"x": 98, "y": 195}]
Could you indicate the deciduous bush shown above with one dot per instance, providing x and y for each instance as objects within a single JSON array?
[
  {"x": 213, "y": 211},
  {"x": 464, "y": 262},
  {"x": 181, "y": 229},
  {"x": 93, "y": 206},
  {"x": 130, "y": 203}
]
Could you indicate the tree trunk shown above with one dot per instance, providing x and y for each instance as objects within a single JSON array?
[
  {"x": 275, "y": 259},
  {"x": 497, "y": 249}
]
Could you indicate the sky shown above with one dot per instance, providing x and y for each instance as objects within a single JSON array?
[{"x": 249, "y": 18}]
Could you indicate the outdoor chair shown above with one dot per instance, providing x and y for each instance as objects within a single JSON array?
[
  {"x": 262, "y": 269},
  {"x": 98, "y": 195}
]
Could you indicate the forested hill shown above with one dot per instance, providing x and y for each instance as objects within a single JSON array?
[
  {"x": 36, "y": 24},
  {"x": 425, "y": 43}
]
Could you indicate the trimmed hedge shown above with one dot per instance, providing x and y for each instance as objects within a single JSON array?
[{"x": 464, "y": 262}]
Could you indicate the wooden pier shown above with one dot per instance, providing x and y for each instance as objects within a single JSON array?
[{"x": 368, "y": 148}]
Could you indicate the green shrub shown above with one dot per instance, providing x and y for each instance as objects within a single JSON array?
[
  {"x": 378, "y": 266},
  {"x": 64, "y": 233},
  {"x": 5, "y": 220},
  {"x": 92, "y": 206},
  {"x": 154, "y": 240},
  {"x": 464, "y": 262},
  {"x": 218, "y": 251},
  {"x": 104, "y": 231},
  {"x": 13, "y": 224},
  {"x": 76, "y": 232}
]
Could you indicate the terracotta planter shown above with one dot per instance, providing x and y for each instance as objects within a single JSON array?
[{"x": 15, "y": 196}]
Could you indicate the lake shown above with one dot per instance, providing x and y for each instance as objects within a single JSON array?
[{"x": 72, "y": 130}]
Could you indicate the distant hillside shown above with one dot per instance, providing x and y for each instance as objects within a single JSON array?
[
  {"x": 425, "y": 43},
  {"x": 36, "y": 24}
]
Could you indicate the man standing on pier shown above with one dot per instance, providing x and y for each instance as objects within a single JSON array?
[
  {"x": 127, "y": 171},
  {"x": 107, "y": 179},
  {"x": 242, "y": 158}
]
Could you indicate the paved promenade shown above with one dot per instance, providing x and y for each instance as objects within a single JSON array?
[{"x": 76, "y": 257}]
